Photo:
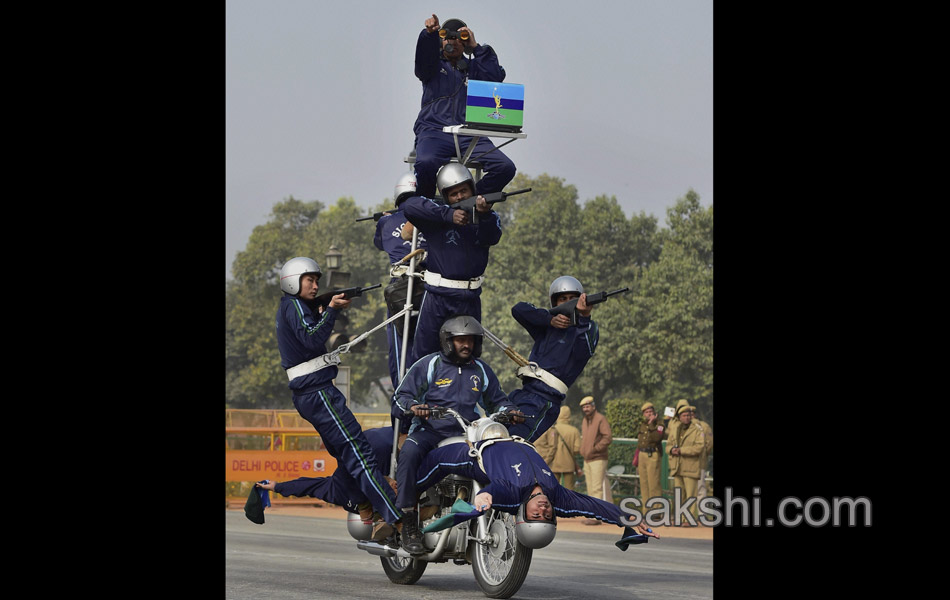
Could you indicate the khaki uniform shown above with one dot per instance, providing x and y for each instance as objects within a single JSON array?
[
  {"x": 650, "y": 460},
  {"x": 686, "y": 466},
  {"x": 558, "y": 447},
  {"x": 701, "y": 491},
  {"x": 674, "y": 422},
  {"x": 595, "y": 438}
]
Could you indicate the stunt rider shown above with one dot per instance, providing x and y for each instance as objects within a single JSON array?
[
  {"x": 516, "y": 480},
  {"x": 452, "y": 378},
  {"x": 561, "y": 352},
  {"x": 444, "y": 73},
  {"x": 339, "y": 488},
  {"x": 394, "y": 237},
  {"x": 302, "y": 333},
  {"x": 457, "y": 254}
]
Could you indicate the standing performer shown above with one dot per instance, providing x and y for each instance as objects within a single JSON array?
[
  {"x": 444, "y": 74},
  {"x": 302, "y": 334},
  {"x": 457, "y": 255},
  {"x": 394, "y": 237}
]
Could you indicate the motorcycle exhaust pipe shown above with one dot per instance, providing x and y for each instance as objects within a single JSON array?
[{"x": 376, "y": 548}]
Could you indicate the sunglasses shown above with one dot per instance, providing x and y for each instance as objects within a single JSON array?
[{"x": 453, "y": 35}]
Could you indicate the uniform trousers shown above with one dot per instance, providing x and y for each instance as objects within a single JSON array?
[
  {"x": 595, "y": 472},
  {"x": 541, "y": 412},
  {"x": 325, "y": 408},
  {"x": 688, "y": 487},
  {"x": 433, "y": 312},
  {"x": 435, "y": 149},
  {"x": 649, "y": 468}
]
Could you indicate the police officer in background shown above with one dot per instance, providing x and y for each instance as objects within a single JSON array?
[
  {"x": 701, "y": 491},
  {"x": 687, "y": 450},
  {"x": 650, "y": 457}
]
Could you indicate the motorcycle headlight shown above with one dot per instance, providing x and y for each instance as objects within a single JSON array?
[{"x": 490, "y": 430}]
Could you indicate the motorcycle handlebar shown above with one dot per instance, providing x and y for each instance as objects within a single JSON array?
[{"x": 443, "y": 412}]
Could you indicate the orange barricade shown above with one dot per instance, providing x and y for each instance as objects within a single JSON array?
[{"x": 255, "y": 465}]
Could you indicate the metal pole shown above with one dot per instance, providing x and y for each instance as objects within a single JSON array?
[{"x": 405, "y": 337}]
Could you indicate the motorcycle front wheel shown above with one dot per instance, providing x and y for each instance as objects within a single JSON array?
[
  {"x": 501, "y": 566},
  {"x": 404, "y": 571}
]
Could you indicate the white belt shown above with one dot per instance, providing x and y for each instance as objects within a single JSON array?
[
  {"x": 437, "y": 280},
  {"x": 314, "y": 364},
  {"x": 533, "y": 370}
]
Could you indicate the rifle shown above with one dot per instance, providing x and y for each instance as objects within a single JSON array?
[
  {"x": 380, "y": 215},
  {"x": 469, "y": 203},
  {"x": 569, "y": 308},
  {"x": 351, "y": 292},
  {"x": 374, "y": 216}
]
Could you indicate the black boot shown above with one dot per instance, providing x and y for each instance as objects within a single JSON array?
[{"x": 411, "y": 536}]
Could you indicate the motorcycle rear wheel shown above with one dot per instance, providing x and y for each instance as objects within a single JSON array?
[
  {"x": 502, "y": 566},
  {"x": 404, "y": 571}
]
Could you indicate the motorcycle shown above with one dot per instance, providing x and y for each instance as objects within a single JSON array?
[{"x": 488, "y": 543}]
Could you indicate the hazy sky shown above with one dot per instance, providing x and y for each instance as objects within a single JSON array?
[{"x": 320, "y": 98}]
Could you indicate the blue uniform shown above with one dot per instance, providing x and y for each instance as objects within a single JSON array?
[
  {"x": 563, "y": 353},
  {"x": 435, "y": 381},
  {"x": 443, "y": 103},
  {"x": 457, "y": 252},
  {"x": 340, "y": 488},
  {"x": 302, "y": 336},
  {"x": 511, "y": 470},
  {"x": 388, "y": 238}
]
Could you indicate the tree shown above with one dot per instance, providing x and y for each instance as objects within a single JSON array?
[
  {"x": 655, "y": 340},
  {"x": 674, "y": 310}
]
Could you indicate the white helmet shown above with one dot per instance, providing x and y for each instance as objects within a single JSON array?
[
  {"x": 292, "y": 270},
  {"x": 534, "y": 534},
  {"x": 562, "y": 285},
  {"x": 405, "y": 187},
  {"x": 451, "y": 175},
  {"x": 357, "y": 529}
]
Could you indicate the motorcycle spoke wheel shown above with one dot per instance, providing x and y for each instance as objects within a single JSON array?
[{"x": 501, "y": 565}]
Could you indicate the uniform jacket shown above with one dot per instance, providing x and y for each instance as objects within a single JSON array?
[
  {"x": 691, "y": 442},
  {"x": 708, "y": 436},
  {"x": 435, "y": 381},
  {"x": 562, "y": 352},
  {"x": 674, "y": 422},
  {"x": 444, "y": 86},
  {"x": 651, "y": 436},
  {"x": 454, "y": 251},
  {"x": 560, "y": 444},
  {"x": 595, "y": 436},
  {"x": 508, "y": 471},
  {"x": 388, "y": 236},
  {"x": 302, "y": 335}
]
